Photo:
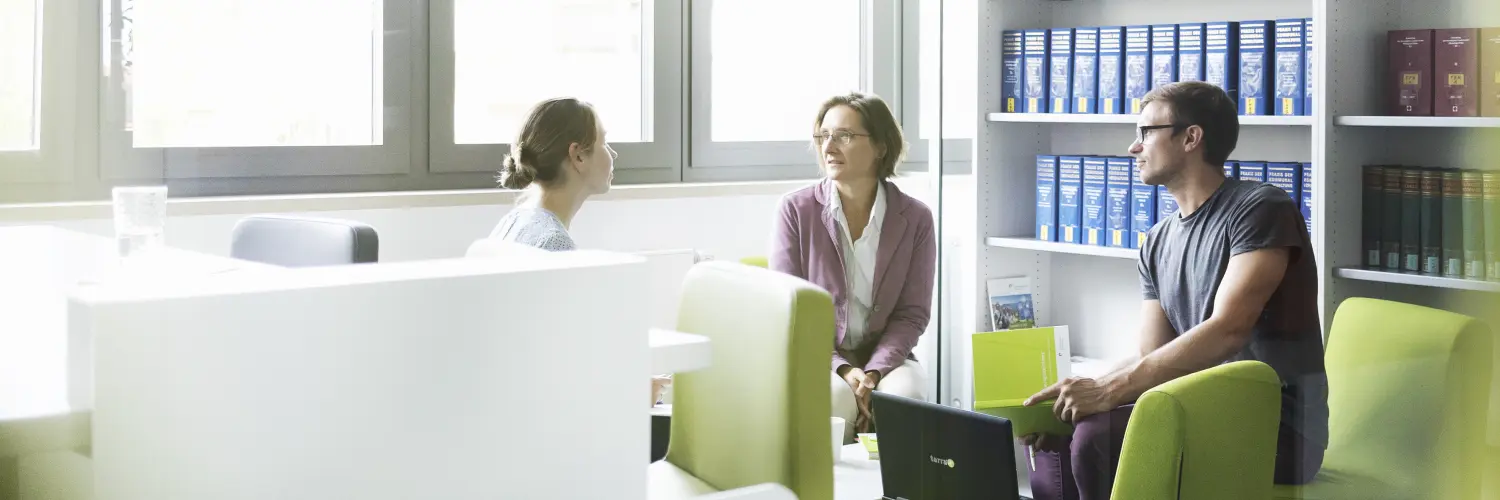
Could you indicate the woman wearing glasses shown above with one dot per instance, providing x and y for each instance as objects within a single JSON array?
[
  {"x": 872, "y": 247},
  {"x": 561, "y": 158}
]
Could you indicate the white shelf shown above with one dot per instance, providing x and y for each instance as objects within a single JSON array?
[
  {"x": 1056, "y": 247},
  {"x": 1304, "y": 121},
  {"x": 1417, "y": 279},
  {"x": 1415, "y": 121}
]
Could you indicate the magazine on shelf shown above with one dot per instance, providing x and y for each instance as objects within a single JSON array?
[{"x": 1010, "y": 303}]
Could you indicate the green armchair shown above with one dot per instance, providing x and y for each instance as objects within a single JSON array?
[
  {"x": 1409, "y": 391},
  {"x": 1208, "y": 435},
  {"x": 760, "y": 412}
]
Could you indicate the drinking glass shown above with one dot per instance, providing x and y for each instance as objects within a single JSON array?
[{"x": 140, "y": 219}]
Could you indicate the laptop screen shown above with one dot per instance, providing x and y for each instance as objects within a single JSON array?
[{"x": 930, "y": 451}]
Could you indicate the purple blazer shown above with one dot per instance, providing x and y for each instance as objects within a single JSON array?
[{"x": 806, "y": 245}]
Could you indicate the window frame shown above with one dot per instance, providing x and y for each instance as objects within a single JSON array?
[
  {"x": 657, "y": 161},
  {"x": 403, "y": 47},
  {"x": 61, "y": 105},
  {"x": 710, "y": 161},
  {"x": 957, "y": 152}
]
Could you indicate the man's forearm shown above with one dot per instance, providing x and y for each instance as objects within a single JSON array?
[{"x": 1210, "y": 343}]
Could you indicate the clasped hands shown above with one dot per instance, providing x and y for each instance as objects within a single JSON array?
[{"x": 863, "y": 383}]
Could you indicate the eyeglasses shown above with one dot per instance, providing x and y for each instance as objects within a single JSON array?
[
  {"x": 841, "y": 137},
  {"x": 1140, "y": 132}
]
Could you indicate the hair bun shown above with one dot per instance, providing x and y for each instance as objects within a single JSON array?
[{"x": 514, "y": 174}]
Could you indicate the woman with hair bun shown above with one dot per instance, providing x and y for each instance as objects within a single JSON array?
[{"x": 560, "y": 158}]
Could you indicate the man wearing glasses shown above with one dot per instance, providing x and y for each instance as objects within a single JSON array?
[{"x": 1228, "y": 277}]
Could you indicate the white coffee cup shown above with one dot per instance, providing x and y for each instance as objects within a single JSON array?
[{"x": 838, "y": 438}]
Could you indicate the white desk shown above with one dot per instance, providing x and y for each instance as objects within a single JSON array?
[
  {"x": 39, "y": 266},
  {"x": 45, "y": 376},
  {"x": 42, "y": 408},
  {"x": 677, "y": 352}
]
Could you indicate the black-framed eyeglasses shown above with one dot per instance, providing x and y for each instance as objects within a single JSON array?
[
  {"x": 840, "y": 137},
  {"x": 1140, "y": 132}
]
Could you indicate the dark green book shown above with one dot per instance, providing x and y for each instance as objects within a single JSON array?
[
  {"x": 1411, "y": 219},
  {"x": 1432, "y": 221},
  {"x": 1474, "y": 265},
  {"x": 1453, "y": 222},
  {"x": 1373, "y": 200},
  {"x": 1390, "y": 230},
  {"x": 1492, "y": 223}
]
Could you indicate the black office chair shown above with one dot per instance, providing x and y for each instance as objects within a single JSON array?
[{"x": 303, "y": 241}]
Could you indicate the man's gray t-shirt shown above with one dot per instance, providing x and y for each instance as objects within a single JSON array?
[{"x": 1184, "y": 259}]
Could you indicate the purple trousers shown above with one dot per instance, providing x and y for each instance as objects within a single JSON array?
[{"x": 1082, "y": 467}]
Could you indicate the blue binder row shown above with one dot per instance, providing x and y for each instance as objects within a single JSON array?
[
  {"x": 1265, "y": 65},
  {"x": 1101, "y": 201}
]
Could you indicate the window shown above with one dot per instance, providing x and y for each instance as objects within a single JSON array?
[
  {"x": 760, "y": 70},
  {"x": 248, "y": 73},
  {"x": 355, "y": 95},
  {"x": 20, "y": 72},
  {"x": 959, "y": 70},
  {"x": 492, "y": 60},
  {"x": 257, "y": 88},
  {"x": 767, "y": 88},
  {"x": 511, "y": 54},
  {"x": 40, "y": 85}
]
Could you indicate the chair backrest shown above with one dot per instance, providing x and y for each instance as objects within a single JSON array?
[
  {"x": 1408, "y": 390},
  {"x": 759, "y": 413},
  {"x": 303, "y": 241},
  {"x": 755, "y": 260},
  {"x": 1210, "y": 434}
]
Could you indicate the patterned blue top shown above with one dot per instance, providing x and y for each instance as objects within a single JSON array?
[{"x": 535, "y": 227}]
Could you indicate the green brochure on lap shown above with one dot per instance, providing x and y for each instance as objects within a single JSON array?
[{"x": 1010, "y": 366}]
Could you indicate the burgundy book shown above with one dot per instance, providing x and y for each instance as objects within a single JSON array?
[
  {"x": 1410, "y": 72},
  {"x": 1455, "y": 67}
]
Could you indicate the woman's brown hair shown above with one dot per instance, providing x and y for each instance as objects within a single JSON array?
[
  {"x": 539, "y": 150},
  {"x": 878, "y": 120}
]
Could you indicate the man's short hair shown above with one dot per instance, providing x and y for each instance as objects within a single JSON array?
[{"x": 1207, "y": 106}]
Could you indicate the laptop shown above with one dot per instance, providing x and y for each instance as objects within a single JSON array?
[{"x": 934, "y": 452}]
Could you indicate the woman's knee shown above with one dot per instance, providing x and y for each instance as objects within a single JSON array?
[{"x": 908, "y": 380}]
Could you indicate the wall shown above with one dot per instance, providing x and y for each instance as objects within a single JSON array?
[{"x": 723, "y": 220}]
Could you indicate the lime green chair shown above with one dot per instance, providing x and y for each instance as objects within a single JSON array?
[
  {"x": 760, "y": 412},
  {"x": 757, "y": 261},
  {"x": 1208, "y": 435},
  {"x": 1409, "y": 391}
]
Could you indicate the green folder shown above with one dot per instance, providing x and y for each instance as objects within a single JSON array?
[{"x": 1010, "y": 366}]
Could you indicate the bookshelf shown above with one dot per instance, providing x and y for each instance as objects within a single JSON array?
[
  {"x": 1302, "y": 121},
  {"x": 1360, "y": 134},
  {"x": 1094, "y": 290},
  {"x": 1402, "y": 278},
  {"x": 1022, "y": 243},
  {"x": 1416, "y": 121}
]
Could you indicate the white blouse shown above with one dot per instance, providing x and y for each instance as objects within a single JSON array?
[{"x": 859, "y": 265}]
